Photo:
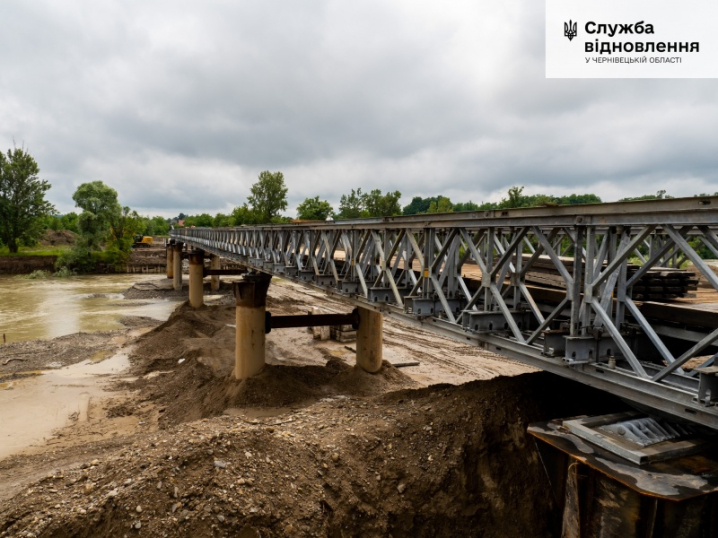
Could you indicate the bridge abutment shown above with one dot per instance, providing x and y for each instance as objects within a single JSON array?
[
  {"x": 251, "y": 300},
  {"x": 196, "y": 278},
  {"x": 177, "y": 266},
  {"x": 370, "y": 340}
]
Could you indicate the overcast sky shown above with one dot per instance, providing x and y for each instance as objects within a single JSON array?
[{"x": 179, "y": 105}]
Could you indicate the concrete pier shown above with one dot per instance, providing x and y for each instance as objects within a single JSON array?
[
  {"x": 214, "y": 279},
  {"x": 177, "y": 266},
  {"x": 170, "y": 261},
  {"x": 369, "y": 340},
  {"x": 196, "y": 279},
  {"x": 251, "y": 299}
]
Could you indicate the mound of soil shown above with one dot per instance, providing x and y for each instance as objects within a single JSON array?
[
  {"x": 440, "y": 461},
  {"x": 52, "y": 238},
  {"x": 195, "y": 392},
  {"x": 196, "y": 346}
]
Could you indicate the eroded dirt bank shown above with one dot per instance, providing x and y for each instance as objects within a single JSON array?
[
  {"x": 438, "y": 461},
  {"x": 310, "y": 447}
]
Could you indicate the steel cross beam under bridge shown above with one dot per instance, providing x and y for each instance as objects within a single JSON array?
[{"x": 466, "y": 275}]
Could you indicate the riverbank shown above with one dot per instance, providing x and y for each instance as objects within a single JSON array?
[
  {"x": 312, "y": 446},
  {"x": 42, "y": 257},
  {"x": 148, "y": 261},
  {"x": 24, "y": 265}
]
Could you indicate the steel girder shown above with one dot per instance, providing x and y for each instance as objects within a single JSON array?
[{"x": 464, "y": 275}]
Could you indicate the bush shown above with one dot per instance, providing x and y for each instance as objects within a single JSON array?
[
  {"x": 38, "y": 274},
  {"x": 78, "y": 259},
  {"x": 81, "y": 260},
  {"x": 63, "y": 272}
]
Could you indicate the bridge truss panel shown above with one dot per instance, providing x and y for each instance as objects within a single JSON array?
[{"x": 465, "y": 275}]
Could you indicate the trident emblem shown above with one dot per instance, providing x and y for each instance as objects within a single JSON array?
[{"x": 569, "y": 29}]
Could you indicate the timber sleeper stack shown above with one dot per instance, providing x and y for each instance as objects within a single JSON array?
[{"x": 657, "y": 284}]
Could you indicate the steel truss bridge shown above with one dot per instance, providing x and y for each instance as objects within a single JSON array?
[{"x": 464, "y": 275}]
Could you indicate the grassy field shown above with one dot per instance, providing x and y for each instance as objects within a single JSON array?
[{"x": 35, "y": 251}]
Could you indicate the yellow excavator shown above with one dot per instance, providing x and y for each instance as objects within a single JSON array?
[{"x": 142, "y": 241}]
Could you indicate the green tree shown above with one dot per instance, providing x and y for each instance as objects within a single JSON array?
[
  {"x": 103, "y": 220},
  {"x": 22, "y": 199},
  {"x": 69, "y": 222},
  {"x": 314, "y": 209},
  {"x": 52, "y": 222},
  {"x": 123, "y": 227},
  {"x": 351, "y": 206},
  {"x": 419, "y": 205},
  {"x": 660, "y": 195},
  {"x": 576, "y": 199},
  {"x": 442, "y": 205},
  {"x": 99, "y": 208},
  {"x": 466, "y": 206},
  {"x": 203, "y": 220},
  {"x": 357, "y": 204},
  {"x": 382, "y": 205},
  {"x": 432, "y": 204},
  {"x": 243, "y": 215},
  {"x": 515, "y": 199},
  {"x": 221, "y": 220},
  {"x": 268, "y": 196},
  {"x": 542, "y": 200},
  {"x": 156, "y": 226}
]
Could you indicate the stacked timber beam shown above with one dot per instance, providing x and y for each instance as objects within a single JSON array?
[
  {"x": 341, "y": 333},
  {"x": 657, "y": 284},
  {"x": 661, "y": 284}
]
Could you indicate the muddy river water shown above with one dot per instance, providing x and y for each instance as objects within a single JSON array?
[
  {"x": 51, "y": 307},
  {"x": 33, "y": 407}
]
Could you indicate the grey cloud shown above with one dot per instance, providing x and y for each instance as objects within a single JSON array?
[{"x": 160, "y": 97}]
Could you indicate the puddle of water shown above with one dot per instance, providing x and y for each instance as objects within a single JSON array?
[{"x": 33, "y": 407}]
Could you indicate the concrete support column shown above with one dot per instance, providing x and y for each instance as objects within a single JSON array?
[
  {"x": 251, "y": 297},
  {"x": 196, "y": 279},
  {"x": 369, "y": 340},
  {"x": 170, "y": 261},
  {"x": 177, "y": 264},
  {"x": 214, "y": 279}
]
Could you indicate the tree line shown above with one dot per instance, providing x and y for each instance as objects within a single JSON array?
[
  {"x": 375, "y": 203},
  {"x": 106, "y": 229},
  {"x": 514, "y": 199}
]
